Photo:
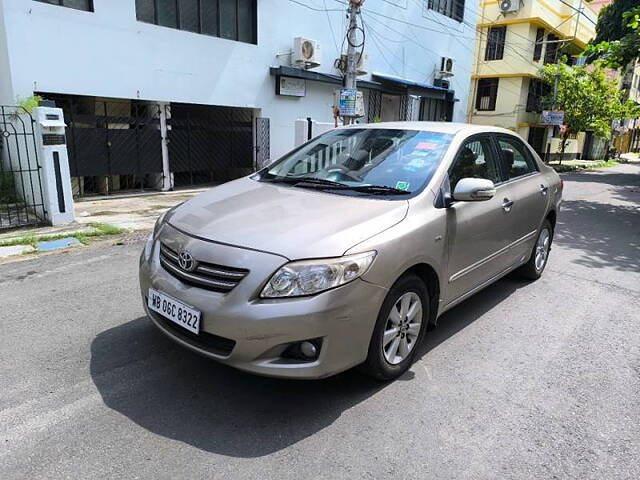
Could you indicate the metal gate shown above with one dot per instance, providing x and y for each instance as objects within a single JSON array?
[
  {"x": 21, "y": 199},
  {"x": 125, "y": 142},
  {"x": 435, "y": 110},
  {"x": 536, "y": 139},
  {"x": 112, "y": 144},
  {"x": 374, "y": 110},
  {"x": 263, "y": 151},
  {"x": 209, "y": 144}
]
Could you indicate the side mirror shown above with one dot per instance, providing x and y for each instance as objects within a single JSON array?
[{"x": 474, "y": 190}]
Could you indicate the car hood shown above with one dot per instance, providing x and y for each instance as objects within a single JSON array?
[{"x": 288, "y": 221}]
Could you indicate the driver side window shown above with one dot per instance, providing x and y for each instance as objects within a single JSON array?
[{"x": 474, "y": 160}]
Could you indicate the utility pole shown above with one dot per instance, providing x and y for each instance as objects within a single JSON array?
[
  {"x": 551, "y": 128},
  {"x": 351, "y": 74},
  {"x": 352, "y": 60}
]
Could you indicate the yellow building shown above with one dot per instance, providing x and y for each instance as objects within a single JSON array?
[{"x": 514, "y": 39}]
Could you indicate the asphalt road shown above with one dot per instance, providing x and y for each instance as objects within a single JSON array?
[{"x": 536, "y": 380}]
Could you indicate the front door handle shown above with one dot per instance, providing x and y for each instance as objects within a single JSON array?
[
  {"x": 544, "y": 189},
  {"x": 507, "y": 204}
]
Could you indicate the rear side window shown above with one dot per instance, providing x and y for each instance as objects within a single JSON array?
[
  {"x": 474, "y": 160},
  {"x": 515, "y": 157}
]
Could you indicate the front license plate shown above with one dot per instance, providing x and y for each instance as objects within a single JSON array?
[{"x": 174, "y": 310}]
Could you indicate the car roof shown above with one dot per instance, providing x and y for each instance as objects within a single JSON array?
[{"x": 443, "y": 127}]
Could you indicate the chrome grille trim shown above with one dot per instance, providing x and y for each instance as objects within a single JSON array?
[
  {"x": 220, "y": 273},
  {"x": 206, "y": 275}
]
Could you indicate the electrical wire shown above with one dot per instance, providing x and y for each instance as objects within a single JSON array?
[
  {"x": 423, "y": 74},
  {"x": 510, "y": 45},
  {"x": 359, "y": 45},
  {"x": 333, "y": 34},
  {"x": 316, "y": 9},
  {"x": 578, "y": 10},
  {"x": 420, "y": 45}
]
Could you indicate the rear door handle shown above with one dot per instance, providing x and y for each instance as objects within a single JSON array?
[
  {"x": 544, "y": 189},
  {"x": 507, "y": 204}
]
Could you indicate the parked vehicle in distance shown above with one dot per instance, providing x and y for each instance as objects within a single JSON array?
[{"x": 343, "y": 251}]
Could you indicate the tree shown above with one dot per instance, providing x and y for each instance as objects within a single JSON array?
[
  {"x": 617, "y": 39},
  {"x": 589, "y": 98}
]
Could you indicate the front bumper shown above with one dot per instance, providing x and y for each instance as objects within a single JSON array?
[{"x": 249, "y": 333}]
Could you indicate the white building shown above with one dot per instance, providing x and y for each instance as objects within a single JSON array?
[{"x": 209, "y": 71}]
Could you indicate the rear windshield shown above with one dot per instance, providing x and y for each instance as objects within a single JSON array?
[{"x": 401, "y": 161}]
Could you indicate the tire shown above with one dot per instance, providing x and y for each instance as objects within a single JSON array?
[
  {"x": 532, "y": 270},
  {"x": 408, "y": 290}
]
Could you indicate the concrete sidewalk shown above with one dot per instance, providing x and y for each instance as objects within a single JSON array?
[{"x": 128, "y": 212}]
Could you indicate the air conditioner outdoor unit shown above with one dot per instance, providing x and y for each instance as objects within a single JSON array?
[
  {"x": 362, "y": 66},
  {"x": 507, "y": 6},
  {"x": 306, "y": 53},
  {"x": 446, "y": 67}
]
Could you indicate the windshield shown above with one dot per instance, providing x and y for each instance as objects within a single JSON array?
[{"x": 366, "y": 161}]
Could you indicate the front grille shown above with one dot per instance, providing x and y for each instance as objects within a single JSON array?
[
  {"x": 207, "y": 341},
  {"x": 205, "y": 275}
]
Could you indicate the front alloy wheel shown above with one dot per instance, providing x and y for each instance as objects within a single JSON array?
[
  {"x": 403, "y": 328},
  {"x": 399, "y": 329}
]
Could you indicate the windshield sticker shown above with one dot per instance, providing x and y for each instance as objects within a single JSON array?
[
  {"x": 427, "y": 146},
  {"x": 402, "y": 185},
  {"x": 416, "y": 164}
]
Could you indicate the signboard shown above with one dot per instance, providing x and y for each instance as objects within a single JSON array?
[
  {"x": 552, "y": 117},
  {"x": 348, "y": 102},
  {"x": 291, "y": 87}
]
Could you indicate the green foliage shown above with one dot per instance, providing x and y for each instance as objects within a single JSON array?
[
  {"x": 589, "y": 98},
  {"x": 611, "y": 25},
  {"x": 28, "y": 104},
  {"x": 7, "y": 188},
  {"x": 106, "y": 229},
  {"x": 99, "y": 230},
  {"x": 577, "y": 166},
  {"x": 617, "y": 39}
]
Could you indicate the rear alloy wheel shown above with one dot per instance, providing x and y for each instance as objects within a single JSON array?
[
  {"x": 540, "y": 254},
  {"x": 399, "y": 329}
]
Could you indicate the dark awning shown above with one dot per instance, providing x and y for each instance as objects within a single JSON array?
[
  {"x": 293, "y": 72},
  {"x": 413, "y": 87},
  {"x": 381, "y": 82}
]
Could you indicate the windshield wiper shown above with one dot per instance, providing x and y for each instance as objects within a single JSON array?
[
  {"x": 314, "y": 182},
  {"x": 379, "y": 189},
  {"x": 372, "y": 189},
  {"x": 310, "y": 181},
  {"x": 319, "y": 181}
]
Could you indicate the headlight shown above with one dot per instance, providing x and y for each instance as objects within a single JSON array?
[
  {"x": 156, "y": 227},
  {"x": 148, "y": 246},
  {"x": 308, "y": 277}
]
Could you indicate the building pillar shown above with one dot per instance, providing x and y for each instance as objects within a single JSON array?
[
  {"x": 167, "y": 177},
  {"x": 54, "y": 162}
]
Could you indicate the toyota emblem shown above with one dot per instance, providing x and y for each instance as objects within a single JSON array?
[{"x": 186, "y": 261}]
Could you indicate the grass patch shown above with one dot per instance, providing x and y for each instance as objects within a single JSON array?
[
  {"x": 104, "y": 213},
  {"x": 99, "y": 230},
  {"x": 577, "y": 165},
  {"x": 106, "y": 229}
]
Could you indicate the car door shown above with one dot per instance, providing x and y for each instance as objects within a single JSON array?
[
  {"x": 478, "y": 233},
  {"x": 529, "y": 193}
]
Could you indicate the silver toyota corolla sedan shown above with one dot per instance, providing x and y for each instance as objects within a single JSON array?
[{"x": 342, "y": 252}]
